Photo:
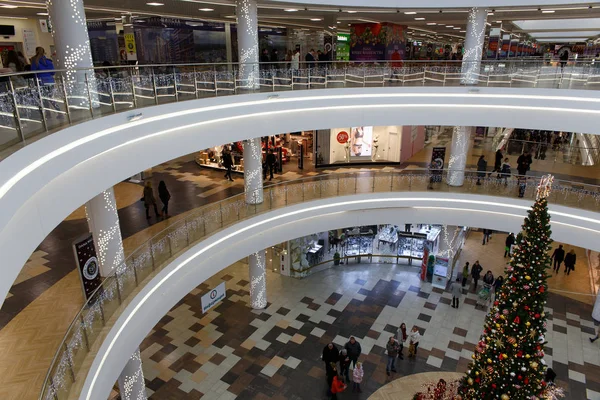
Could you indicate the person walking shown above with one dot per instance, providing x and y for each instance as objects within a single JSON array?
[
  {"x": 353, "y": 348},
  {"x": 330, "y": 356},
  {"x": 456, "y": 290},
  {"x": 510, "y": 240},
  {"x": 413, "y": 338},
  {"x": 488, "y": 278},
  {"x": 505, "y": 171},
  {"x": 559, "y": 257},
  {"x": 227, "y": 163},
  {"x": 481, "y": 168},
  {"x": 570, "y": 260},
  {"x": 487, "y": 233},
  {"x": 357, "y": 377},
  {"x": 391, "y": 347},
  {"x": 465, "y": 274},
  {"x": 149, "y": 199},
  {"x": 402, "y": 337},
  {"x": 592, "y": 340},
  {"x": 345, "y": 365},
  {"x": 476, "y": 274},
  {"x": 270, "y": 163},
  {"x": 164, "y": 196}
]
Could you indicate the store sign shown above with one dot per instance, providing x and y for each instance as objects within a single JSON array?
[
  {"x": 342, "y": 137},
  {"x": 87, "y": 264},
  {"x": 343, "y": 38},
  {"x": 210, "y": 299}
]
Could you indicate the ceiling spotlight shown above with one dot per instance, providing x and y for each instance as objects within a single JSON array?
[
  {"x": 456, "y": 29},
  {"x": 490, "y": 13},
  {"x": 548, "y": 11},
  {"x": 449, "y": 26},
  {"x": 410, "y": 12},
  {"x": 154, "y": 4},
  {"x": 431, "y": 23},
  {"x": 206, "y": 9},
  {"x": 316, "y": 19},
  {"x": 44, "y": 14},
  {"x": 463, "y": 31},
  {"x": 351, "y": 12},
  {"x": 419, "y": 19},
  {"x": 291, "y": 9},
  {"x": 8, "y": 6},
  {"x": 338, "y": 22}
]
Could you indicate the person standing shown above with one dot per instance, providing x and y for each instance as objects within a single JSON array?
[
  {"x": 456, "y": 290},
  {"x": 392, "y": 347},
  {"x": 402, "y": 337},
  {"x": 505, "y": 171},
  {"x": 353, "y": 348},
  {"x": 345, "y": 365},
  {"x": 149, "y": 200},
  {"x": 414, "y": 338},
  {"x": 227, "y": 163},
  {"x": 465, "y": 274},
  {"x": 487, "y": 233},
  {"x": 295, "y": 64},
  {"x": 39, "y": 62},
  {"x": 310, "y": 59},
  {"x": 330, "y": 357},
  {"x": 558, "y": 256},
  {"x": 570, "y": 260},
  {"x": 481, "y": 168},
  {"x": 357, "y": 377},
  {"x": 476, "y": 274},
  {"x": 497, "y": 162},
  {"x": 510, "y": 240},
  {"x": 488, "y": 278},
  {"x": 524, "y": 163},
  {"x": 497, "y": 285},
  {"x": 164, "y": 196},
  {"x": 270, "y": 163}
]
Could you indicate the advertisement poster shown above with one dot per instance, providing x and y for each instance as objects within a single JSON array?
[
  {"x": 211, "y": 299},
  {"x": 395, "y": 48},
  {"x": 342, "y": 47},
  {"x": 131, "y": 52},
  {"x": 29, "y": 42},
  {"x": 367, "y": 42},
  {"x": 361, "y": 139},
  {"x": 87, "y": 264},
  {"x": 424, "y": 264},
  {"x": 436, "y": 166}
]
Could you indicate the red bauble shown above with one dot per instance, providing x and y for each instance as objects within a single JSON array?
[
  {"x": 517, "y": 320},
  {"x": 526, "y": 307},
  {"x": 513, "y": 279},
  {"x": 536, "y": 316},
  {"x": 519, "y": 377},
  {"x": 494, "y": 385},
  {"x": 542, "y": 289},
  {"x": 526, "y": 381}
]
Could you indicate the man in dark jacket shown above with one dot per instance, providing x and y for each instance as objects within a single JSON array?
[
  {"x": 310, "y": 59},
  {"x": 558, "y": 256},
  {"x": 497, "y": 162},
  {"x": 476, "y": 274},
  {"x": 481, "y": 168},
  {"x": 524, "y": 163},
  {"x": 354, "y": 350},
  {"x": 330, "y": 356},
  {"x": 227, "y": 163},
  {"x": 271, "y": 163},
  {"x": 510, "y": 240},
  {"x": 570, "y": 260}
]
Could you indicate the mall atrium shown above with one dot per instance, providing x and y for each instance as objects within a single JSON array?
[{"x": 324, "y": 199}]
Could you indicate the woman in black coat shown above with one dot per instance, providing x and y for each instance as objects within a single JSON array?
[
  {"x": 164, "y": 196},
  {"x": 481, "y": 168},
  {"x": 570, "y": 260}
]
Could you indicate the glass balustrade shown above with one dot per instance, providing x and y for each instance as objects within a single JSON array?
[
  {"x": 33, "y": 105},
  {"x": 83, "y": 337}
]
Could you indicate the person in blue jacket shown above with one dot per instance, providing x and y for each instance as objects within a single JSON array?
[{"x": 40, "y": 62}]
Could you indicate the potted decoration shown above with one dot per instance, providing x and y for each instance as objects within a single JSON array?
[{"x": 336, "y": 258}]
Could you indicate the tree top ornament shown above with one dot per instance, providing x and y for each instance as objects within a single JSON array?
[{"x": 545, "y": 187}]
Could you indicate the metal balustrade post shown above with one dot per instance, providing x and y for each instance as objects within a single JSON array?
[
  {"x": 221, "y": 212},
  {"x": 37, "y": 84},
  {"x": 338, "y": 185},
  {"x": 89, "y": 92},
  {"x": 152, "y": 255},
  {"x": 135, "y": 276},
  {"x": 320, "y": 187},
  {"x": 111, "y": 92},
  {"x": 215, "y": 81},
  {"x": 54, "y": 390},
  {"x": 133, "y": 89},
  {"x": 69, "y": 361},
  {"x": 355, "y": 182},
  {"x": 195, "y": 83},
  {"x": 187, "y": 231},
  {"x": 170, "y": 248},
  {"x": 16, "y": 113},
  {"x": 154, "y": 86},
  {"x": 68, "y": 110},
  {"x": 175, "y": 85},
  {"x": 118, "y": 288},
  {"x": 373, "y": 188},
  {"x": 102, "y": 313},
  {"x": 392, "y": 182},
  {"x": 86, "y": 340}
]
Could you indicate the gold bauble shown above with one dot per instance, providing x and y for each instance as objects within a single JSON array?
[
  {"x": 504, "y": 397},
  {"x": 470, "y": 381}
]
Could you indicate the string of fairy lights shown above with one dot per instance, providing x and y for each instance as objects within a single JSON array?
[
  {"x": 258, "y": 283},
  {"x": 133, "y": 385},
  {"x": 476, "y": 25},
  {"x": 253, "y": 173},
  {"x": 247, "y": 18},
  {"x": 458, "y": 155}
]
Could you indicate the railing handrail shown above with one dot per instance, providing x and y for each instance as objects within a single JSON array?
[{"x": 128, "y": 262}]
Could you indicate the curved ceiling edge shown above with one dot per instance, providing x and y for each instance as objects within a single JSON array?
[
  {"x": 420, "y": 4},
  {"x": 208, "y": 257},
  {"x": 44, "y": 182}
]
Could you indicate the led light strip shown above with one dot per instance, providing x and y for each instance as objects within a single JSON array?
[
  {"x": 268, "y": 221},
  {"x": 72, "y": 145}
]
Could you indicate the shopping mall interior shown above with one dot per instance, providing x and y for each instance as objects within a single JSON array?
[{"x": 219, "y": 199}]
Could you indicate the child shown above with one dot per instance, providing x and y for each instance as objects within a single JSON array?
[
  {"x": 414, "y": 338},
  {"x": 337, "y": 386},
  {"x": 357, "y": 376}
]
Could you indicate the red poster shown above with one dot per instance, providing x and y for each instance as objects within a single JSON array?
[{"x": 424, "y": 264}]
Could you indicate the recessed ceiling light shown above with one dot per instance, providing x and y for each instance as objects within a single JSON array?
[
  {"x": 498, "y": 22},
  {"x": 291, "y": 9},
  {"x": 8, "y": 6},
  {"x": 449, "y": 26},
  {"x": 351, "y": 12},
  {"x": 47, "y": 14},
  {"x": 456, "y": 29},
  {"x": 410, "y": 12},
  {"x": 206, "y": 9},
  {"x": 127, "y": 24},
  {"x": 463, "y": 31},
  {"x": 548, "y": 11},
  {"x": 338, "y": 22},
  {"x": 490, "y": 13},
  {"x": 431, "y": 23},
  {"x": 316, "y": 19},
  {"x": 419, "y": 19},
  {"x": 155, "y": 4}
]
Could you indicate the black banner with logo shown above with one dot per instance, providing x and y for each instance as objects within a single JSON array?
[
  {"x": 87, "y": 264},
  {"x": 438, "y": 155}
]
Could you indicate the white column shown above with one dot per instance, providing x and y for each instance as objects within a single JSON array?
[
  {"x": 103, "y": 220},
  {"x": 461, "y": 138},
  {"x": 258, "y": 280},
  {"x": 474, "y": 40},
  {"x": 131, "y": 380},
  {"x": 253, "y": 174},
  {"x": 247, "y": 37}
]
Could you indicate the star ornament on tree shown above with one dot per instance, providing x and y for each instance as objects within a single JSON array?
[{"x": 545, "y": 187}]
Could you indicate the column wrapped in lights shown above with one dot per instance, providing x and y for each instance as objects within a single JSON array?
[
  {"x": 103, "y": 221},
  {"x": 473, "y": 50},
  {"x": 253, "y": 174},
  {"x": 258, "y": 280},
  {"x": 73, "y": 52},
  {"x": 461, "y": 137},
  {"x": 247, "y": 37},
  {"x": 131, "y": 380}
]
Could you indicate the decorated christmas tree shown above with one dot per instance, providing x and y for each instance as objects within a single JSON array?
[{"x": 507, "y": 363}]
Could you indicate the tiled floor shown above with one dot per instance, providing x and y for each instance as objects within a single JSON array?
[
  {"x": 235, "y": 352},
  {"x": 50, "y": 272}
]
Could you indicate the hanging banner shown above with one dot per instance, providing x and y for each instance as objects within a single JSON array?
[
  {"x": 210, "y": 299},
  {"x": 87, "y": 264},
  {"x": 130, "y": 47},
  {"x": 436, "y": 167},
  {"x": 29, "y": 42}
]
